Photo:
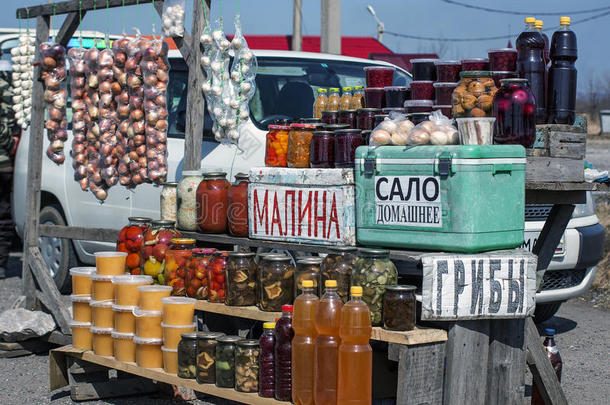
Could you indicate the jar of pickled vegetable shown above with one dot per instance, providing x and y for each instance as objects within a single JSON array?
[
  {"x": 322, "y": 154},
  {"x": 177, "y": 258},
  {"x": 238, "y": 205},
  {"x": 277, "y": 283},
  {"x": 259, "y": 272},
  {"x": 276, "y": 146},
  {"x": 130, "y": 241},
  {"x": 241, "y": 279},
  {"x": 346, "y": 142},
  {"x": 186, "y": 194},
  {"x": 216, "y": 276},
  {"x": 197, "y": 273},
  {"x": 246, "y": 366},
  {"x": 169, "y": 201},
  {"x": 225, "y": 361},
  {"x": 307, "y": 269},
  {"x": 399, "y": 307},
  {"x": 213, "y": 202},
  {"x": 157, "y": 240},
  {"x": 266, "y": 361},
  {"x": 474, "y": 95},
  {"x": 338, "y": 265},
  {"x": 373, "y": 270},
  {"x": 299, "y": 144},
  {"x": 187, "y": 355},
  {"x": 206, "y": 356}
]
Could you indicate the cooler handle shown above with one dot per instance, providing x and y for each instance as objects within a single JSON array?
[{"x": 501, "y": 168}]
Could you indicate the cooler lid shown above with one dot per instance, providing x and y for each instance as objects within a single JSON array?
[{"x": 426, "y": 154}]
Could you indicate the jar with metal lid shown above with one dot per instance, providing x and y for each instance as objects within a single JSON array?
[
  {"x": 130, "y": 240},
  {"x": 330, "y": 117},
  {"x": 216, "y": 276},
  {"x": 348, "y": 117},
  {"x": 186, "y": 194},
  {"x": 346, "y": 142},
  {"x": 515, "y": 112},
  {"x": 373, "y": 270},
  {"x": 157, "y": 241},
  {"x": 338, "y": 265},
  {"x": 197, "y": 273},
  {"x": 213, "y": 202},
  {"x": 187, "y": 355},
  {"x": 238, "y": 205},
  {"x": 334, "y": 127},
  {"x": 177, "y": 258},
  {"x": 206, "y": 357},
  {"x": 276, "y": 146},
  {"x": 299, "y": 145},
  {"x": 366, "y": 118},
  {"x": 241, "y": 279},
  {"x": 322, "y": 154},
  {"x": 395, "y": 96},
  {"x": 307, "y": 269},
  {"x": 225, "y": 361},
  {"x": 399, "y": 307},
  {"x": 246, "y": 366},
  {"x": 277, "y": 283},
  {"x": 259, "y": 272},
  {"x": 474, "y": 95},
  {"x": 169, "y": 201}
]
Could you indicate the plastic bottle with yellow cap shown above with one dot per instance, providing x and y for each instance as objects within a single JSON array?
[
  {"x": 531, "y": 65},
  {"x": 562, "y": 75},
  {"x": 320, "y": 104},
  {"x": 266, "y": 386},
  {"x": 346, "y": 99},
  {"x": 538, "y": 26}
]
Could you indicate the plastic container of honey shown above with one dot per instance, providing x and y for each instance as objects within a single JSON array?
[
  {"x": 171, "y": 334},
  {"x": 126, "y": 288},
  {"x": 170, "y": 360},
  {"x": 101, "y": 287},
  {"x": 151, "y": 295},
  {"x": 148, "y": 352},
  {"x": 124, "y": 319},
  {"x": 103, "y": 345},
  {"x": 148, "y": 324},
  {"x": 81, "y": 335},
  {"x": 101, "y": 314},
  {"x": 110, "y": 263},
  {"x": 124, "y": 347},
  {"x": 178, "y": 310},
  {"x": 81, "y": 311},
  {"x": 81, "y": 281}
]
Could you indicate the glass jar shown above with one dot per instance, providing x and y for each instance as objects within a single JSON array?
[
  {"x": 197, "y": 273},
  {"x": 186, "y": 194},
  {"x": 374, "y": 97},
  {"x": 225, "y": 361},
  {"x": 277, "y": 282},
  {"x": 333, "y": 100},
  {"x": 366, "y": 118},
  {"x": 322, "y": 154},
  {"x": 346, "y": 142},
  {"x": 348, "y": 117},
  {"x": 357, "y": 98},
  {"x": 379, "y": 76},
  {"x": 338, "y": 265},
  {"x": 177, "y": 258},
  {"x": 266, "y": 361},
  {"x": 330, "y": 117},
  {"x": 423, "y": 69},
  {"x": 366, "y": 134},
  {"x": 499, "y": 75},
  {"x": 169, "y": 201},
  {"x": 299, "y": 144},
  {"x": 399, "y": 307},
  {"x": 216, "y": 276},
  {"x": 307, "y": 269},
  {"x": 448, "y": 71},
  {"x": 246, "y": 366},
  {"x": 241, "y": 279},
  {"x": 419, "y": 106},
  {"x": 515, "y": 112},
  {"x": 187, "y": 355},
  {"x": 213, "y": 202},
  {"x": 395, "y": 96},
  {"x": 373, "y": 270},
  {"x": 130, "y": 240},
  {"x": 157, "y": 240},
  {"x": 276, "y": 146},
  {"x": 206, "y": 357},
  {"x": 379, "y": 118},
  {"x": 259, "y": 272},
  {"x": 238, "y": 206},
  {"x": 474, "y": 95},
  {"x": 473, "y": 64},
  {"x": 419, "y": 117}
]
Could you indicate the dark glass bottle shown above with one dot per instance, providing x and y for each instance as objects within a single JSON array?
[
  {"x": 562, "y": 75},
  {"x": 554, "y": 357},
  {"x": 531, "y": 66},
  {"x": 283, "y": 355}
]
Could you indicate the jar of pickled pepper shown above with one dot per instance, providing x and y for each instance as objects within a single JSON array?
[
  {"x": 299, "y": 144},
  {"x": 130, "y": 241},
  {"x": 216, "y": 276},
  {"x": 238, "y": 205},
  {"x": 213, "y": 202},
  {"x": 197, "y": 273},
  {"x": 276, "y": 146},
  {"x": 177, "y": 259},
  {"x": 157, "y": 241}
]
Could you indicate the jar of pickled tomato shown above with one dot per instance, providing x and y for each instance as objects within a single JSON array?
[
  {"x": 238, "y": 205},
  {"x": 197, "y": 273},
  {"x": 213, "y": 202},
  {"x": 177, "y": 257},
  {"x": 216, "y": 276},
  {"x": 130, "y": 241},
  {"x": 276, "y": 146}
]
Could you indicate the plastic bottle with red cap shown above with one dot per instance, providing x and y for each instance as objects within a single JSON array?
[{"x": 283, "y": 355}]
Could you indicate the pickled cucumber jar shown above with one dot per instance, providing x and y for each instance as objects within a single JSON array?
[
  {"x": 225, "y": 361},
  {"x": 373, "y": 270},
  {"x": 187, "y": 355},
  {"x": 246, "y": 366},
  {"x": 186, "y": 200},
  {"x": 276, "y": 283},
  {"x": 307, "y": 269},
  {"x": 338, "y": 265},
  {"x": 241, "y": 279},
  {"x": 206, "y": 357}
]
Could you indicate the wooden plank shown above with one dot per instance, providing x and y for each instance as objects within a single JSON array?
[
  {"x": 505, "y": 376},
  {"x": 466, "y": 363},
  {"x": 559, "y": 186},
  {"x": 420, "y": 374},
  {"x": 58, "y": 369},
  {"x": 549, "y": 169},
  {"x": 69, "y": 27},
  {"x": 79, "y": 233},
  {"x": 541, "y": 368},
  {"x": 568, "y": 144},
  {"x": 64, "y": 7},
  {"x": 241, "y": 312}
]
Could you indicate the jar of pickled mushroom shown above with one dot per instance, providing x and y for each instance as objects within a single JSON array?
[
  {"x": 213, "y": 202},
  {"x": 338, "y": 265},
  {"x": 246, "y": 366},
  {"x": 186, "y": 194},
  {"x": 225, "y": 361},
  {"x": 197, "y": 273},
  {"x": 216, "y": 276},
  {"x": 241, "y": 279},
  {"x": 346, "y": 142},
  {"x": 238, "y": 205},
  {"x": 277, "y": 283},
  {"x": 276, "y": 146},
  {"x": 177, "y": 259},
  {"x": 206, "y": 356},
  {"x": 169, "y": 201},
  {"x": 322, "y": 154},
  {"x": 157, "y": 240},
  {"x": 299, "y": 144},
  {"x": 259, "y": 272},
  {"x": 307, "y": 269},
  {"x": 130, "y": 241},
  {"x": 187, "y": 355},
  {"x": 474, "y": 95},
  {"x": 399, "y": 307}
]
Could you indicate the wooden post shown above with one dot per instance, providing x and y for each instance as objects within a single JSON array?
[
  {"x": 297, "y": 14},
  {"x": 330, "y": 38}
]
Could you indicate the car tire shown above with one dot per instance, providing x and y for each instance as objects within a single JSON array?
[
  {"x": 544, "y": 312},
  {"x": 58, "y": 253}
]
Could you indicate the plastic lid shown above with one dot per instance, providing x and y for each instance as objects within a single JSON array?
[
  {"x": 110, "y": 254},
  {"x": 374, "y": 89},
  {"x": 189, "y": 335},
  {"x": 323, "y": 133},
  {"x": 147, "y": 341},
  {"x": 287, "y": 308},
  {"x": 167, "y": 349},
  {"x": 510, "y": 80},
  {"x": 123, "y": 308},
  {"x": 155, "y": 288},
  {"x": 182, "y": 241},
  {"x": 321, "y": 90},
  {"x": 396, "y": 88},
  {"x": 378, "y": 68},
  {"x": 330, "y": 283},
  {"x": 77, "y": 324},
  {"x": 530, "y": 20},
  {"x": 101, "y": 277},
  {"x": 132, "y": 279},
  {"x": 475, "y": 60},
  {"x": 80, "y": 298},
  {"x": 310, "y": 260},
  {"x": 550, "y": 331},
  {"x": 358, "y": 87},
  {"x": 423, "y": 60},
  {"x": 348, "y": 131},
  {"x": 347, "y": 88},
  {"x": 356, "y": 291},
  {"x": 269, "y": 325},
  {"x": 564, "y": 20},
  {"x": 400, "y": 287},
  {"x": 419, "y": 103},
  {"x": 82, "y": 271},
  {"x": 502, "y": 72},
  {"x": 307, "y": 283},
  {"x": 421, "y": 81},
  {"x": 122, "y": 335},
  {"x": 178, "y": 326},
  {"x": 334, "y": 89},
  {"x": 439, "y": 106},
  {"x": 233, "y": 338},
  {"x": 447, "y": 62},
  {"x": 138, "y": 312},
  {"x": 539, "y": 23},
  {"x": 178, "y": 300},
  {"x": 475, "y": 73},
  {"x": 191, "y": 173},
  {"x": 101, "y": 331},
  {"x": 512, "y": 50},
  {"x": 102, "y": 304},
  {"x": 473, "y": 119},
  {"x": 444, "y": 84},
  {"x": 248, "y": 342}
]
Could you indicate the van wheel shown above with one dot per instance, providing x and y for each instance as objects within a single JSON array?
[
  {"x": 58, "y": 253},
  {"x": 544, "y": 312}
]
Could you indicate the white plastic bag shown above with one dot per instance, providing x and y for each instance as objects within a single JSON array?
[
  {"x": 53, "y": 57},
  {"x": 173, "y": 18},
  {"x": 80, "y": 116},
  {"x": 393, "y": 130},
  {"x": 436, "y": 130}
]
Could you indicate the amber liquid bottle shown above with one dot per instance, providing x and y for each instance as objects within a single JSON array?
[
  {"x": 355, "y": 354},
  {"x": 305, "y": 306},
  {"x": 326, "y": 352}
]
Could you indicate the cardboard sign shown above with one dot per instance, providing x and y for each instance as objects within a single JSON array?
[{"x": 482, "y": 286}]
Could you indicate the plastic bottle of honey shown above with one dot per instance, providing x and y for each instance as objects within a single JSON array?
[
  {"x": 320, "y": 104},
  {"x": 346, "y": 99},
  {"x": 333, "y": 100},
  {"x": 357, "y": 98},
  {"x": 355, "y": 354},
  {"x": 305, "y": 306}
]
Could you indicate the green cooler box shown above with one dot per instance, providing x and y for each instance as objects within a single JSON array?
[{"x": 455, "y": 198}]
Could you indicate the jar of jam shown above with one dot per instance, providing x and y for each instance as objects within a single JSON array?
[
  {"x": 238, "y": 205},
  {"x": 422, "y": 90},
  {"x": 348, "y": 117},
  {"x": 419, "y": 106},
  {"x": 186, "y": 194},
  {"x": 475, "y": 64},
  {"x": 338, "y": 265},
  {"x": 216, "y": 276},
  {"x": 366, "y": 118},
  {"x": 246, "y": 366},
  {"x": 322, "y": 154},
  {"x": 130, "y": 240},
  {"x": 395, "y": 96},
  {"x": 157, "y": 240},
  {"x": 206, "y": 356},
  {"x": 502, "y": 59},
  {"x": 197, "y": 273},
  {"x": 187, "y": 355},
  {"x": 515, "y": 112},
  {"x": 277, "y": 282},
  {"x": 423, "y": 69},
  {"x": 330, "y": 117},
  {"x": 374, "y": 97},
  {"x": 225, "y": 361},
  {"x": 307, "y": 269},
  {"x": 399, "y": 307},
  {"x": 241, "y": 279},
  {"x": 474, "y": 95},
  {"x": 448, "y": 71},
  {"x": 276, "y": 146},
  {"x": 299, "y": 145},
  {"x": 169, "y": 201},
  {"x": 346, "y": 142},
  {"x": 177, "y": 258},
  {"x": 379, "y": 76},
  {"x": 213, "y": 202},
  {"x": 443, "y": 92}
]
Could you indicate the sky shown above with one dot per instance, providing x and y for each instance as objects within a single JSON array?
[{"x": 430, "y": 18}]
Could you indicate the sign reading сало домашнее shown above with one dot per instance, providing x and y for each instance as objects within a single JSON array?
[{"x": 479, "y": 286}]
